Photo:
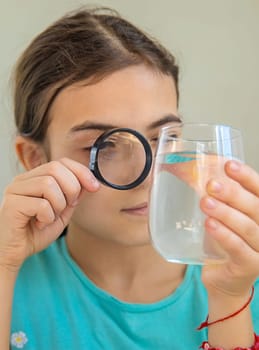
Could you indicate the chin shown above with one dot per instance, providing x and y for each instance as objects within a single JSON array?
[{"x": 136, "y": 240}]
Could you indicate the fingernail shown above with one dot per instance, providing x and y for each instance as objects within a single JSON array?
[
  {"x": 215, "y": 186},
  {"x": 234, "y": 166},
  {"x": 95, "y": 182},
  {"x": 210, "y": 203},
  {"x": 74, "y": 204}
]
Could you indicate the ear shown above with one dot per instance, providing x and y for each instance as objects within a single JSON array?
[{"x": 30, "y": 153}]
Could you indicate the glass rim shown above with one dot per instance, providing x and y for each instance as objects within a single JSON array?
[{"x": 236, "y": 131}]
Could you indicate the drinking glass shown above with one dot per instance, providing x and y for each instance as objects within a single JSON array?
[{"x": 188, "y": 156}]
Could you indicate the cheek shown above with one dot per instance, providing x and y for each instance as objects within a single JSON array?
[
  {"x": 96, "y": 205},
  {"x": 98, "y": 213}
]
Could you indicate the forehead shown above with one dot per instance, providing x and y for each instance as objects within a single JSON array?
[{"x": 133, "y": 97}]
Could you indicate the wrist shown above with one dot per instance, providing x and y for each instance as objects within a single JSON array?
[
  {"x": 229, "y": 314},
  {"x": 206, "y": 346},
  {"x": 9, "y": 269},
  {"x": 10, "y": 262},
  {"x": 221, "y": 303},
  {"x": 238, "y": 290},
  {"x": 7, "y": 277}
]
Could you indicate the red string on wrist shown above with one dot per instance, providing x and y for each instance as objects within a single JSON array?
[
  {"x": 206, "y": 346},
  {"x": 207, "y": 324}
]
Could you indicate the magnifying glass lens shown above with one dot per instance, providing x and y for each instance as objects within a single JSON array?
[{"x": 121, "y": 158}]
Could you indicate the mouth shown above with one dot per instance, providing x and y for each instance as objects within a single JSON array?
[{"x": 139, "y": 209}]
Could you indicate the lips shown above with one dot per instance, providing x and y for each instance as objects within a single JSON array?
[{"x": 139, "y": 209}]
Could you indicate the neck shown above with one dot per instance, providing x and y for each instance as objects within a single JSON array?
[{"x": 126, "y": 272}]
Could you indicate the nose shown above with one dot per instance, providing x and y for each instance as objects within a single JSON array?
[{"x": 147, "y": 182}]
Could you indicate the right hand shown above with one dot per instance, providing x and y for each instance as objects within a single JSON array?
[{"x": 37, "y": 206}]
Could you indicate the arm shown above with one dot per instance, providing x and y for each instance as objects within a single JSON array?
[
  {"x": 234, "y": 332},
  {"x": 36, "y": 208},
  {"x": 233, "y": 220},
  {"x": 7, "y": 281}
]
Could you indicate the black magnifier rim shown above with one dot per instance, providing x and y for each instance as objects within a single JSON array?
[{"x": 93, "y": 163}]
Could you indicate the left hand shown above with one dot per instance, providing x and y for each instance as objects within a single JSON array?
[{"x": 232, "y": 210}]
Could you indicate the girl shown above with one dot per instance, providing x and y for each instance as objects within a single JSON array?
[{"x": 101, "y": 285}]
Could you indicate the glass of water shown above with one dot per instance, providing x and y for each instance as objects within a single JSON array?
[{"x": 188, "y": 156}]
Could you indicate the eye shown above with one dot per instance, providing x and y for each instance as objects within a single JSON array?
[
  {"x": 174, "y": 136},
  {"x": 156, "y": 138},
  {"x": 107, "y": 144},
  {"x": 88, "y": 148},
  {"x": 104, "y": 146}
]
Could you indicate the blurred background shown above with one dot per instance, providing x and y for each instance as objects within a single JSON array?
[{"x": 216, "y": 44}]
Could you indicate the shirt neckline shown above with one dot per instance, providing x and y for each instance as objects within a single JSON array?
[{"x": 130, "y": 307}]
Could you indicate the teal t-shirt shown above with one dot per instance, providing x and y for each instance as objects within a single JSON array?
[{"x": 57, "y": 307}]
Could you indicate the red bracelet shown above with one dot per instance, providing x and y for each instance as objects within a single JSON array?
[
  {"x": 207, "y": 324},
  {"x": 206, "y": 346}
]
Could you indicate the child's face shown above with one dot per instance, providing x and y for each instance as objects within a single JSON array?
[{"x": 135, "y": 97}]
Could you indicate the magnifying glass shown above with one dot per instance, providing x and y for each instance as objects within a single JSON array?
[{"x": 121, "y": 158}]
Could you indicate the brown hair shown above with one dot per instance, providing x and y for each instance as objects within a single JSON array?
[{"x": 88, "y": 43}]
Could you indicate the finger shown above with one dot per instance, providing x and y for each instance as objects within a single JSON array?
[
  {"x": 84, "y": 175},
  {"x": 233, "y": 194},
  {"x": 59, "y": 224},
  {"x": 236, "y": 221},
  {"x": 67, "y": 181},
  {"x": 245, "y": 175},
  {"x": 23, "y": 208},
  {"x": 41, "y": 187},
  {"x": 70, "y": 175},
  {"x": 236, "y": 248},
  {"x": 50, "y": 232}
]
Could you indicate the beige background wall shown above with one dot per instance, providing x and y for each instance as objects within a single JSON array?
[{"x": 216, "y": 43}]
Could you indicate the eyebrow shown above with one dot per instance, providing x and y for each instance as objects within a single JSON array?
[
  {"x": 170, "y": 118},
  {"x": 91, "y": 126},
  {"x": 87, "y": 125}
]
